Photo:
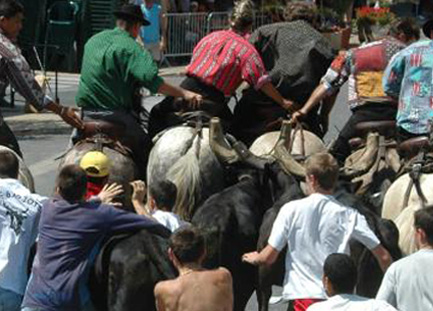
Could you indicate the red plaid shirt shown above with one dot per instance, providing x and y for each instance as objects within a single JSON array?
[{"x": 223, "y": 59}]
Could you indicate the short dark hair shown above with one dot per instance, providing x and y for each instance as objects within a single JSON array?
[
  {"x": 9, "y": 165},
  {"x": 341, "y": 271},
  {"x": 301, "y": 11},
  {"x": 408, "y": 26},
  {"x": 187, "y": 244},
  {"x": 164, "y": 193},
  {"x": 424, "y": 221},
  {"x": 71, "y": 183},
  {"x": 325, "y": 168},
  {"x": 10, "y": 8}
]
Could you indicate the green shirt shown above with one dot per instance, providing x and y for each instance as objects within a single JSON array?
[{"x": 114, "y": 66}]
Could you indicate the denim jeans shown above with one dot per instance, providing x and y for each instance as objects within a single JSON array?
[{"x": 9, "y": 301}]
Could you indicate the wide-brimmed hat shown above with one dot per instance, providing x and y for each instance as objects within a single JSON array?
[
  {"x": 427, "y": 28},
  {"x": 131, "y": 12}
]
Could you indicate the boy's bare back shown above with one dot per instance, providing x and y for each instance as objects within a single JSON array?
[{"x": 207, "y": 290}]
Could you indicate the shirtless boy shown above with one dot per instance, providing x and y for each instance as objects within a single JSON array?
[{"x": 195, "y": 289}]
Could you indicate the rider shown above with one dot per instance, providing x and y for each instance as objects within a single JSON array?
[
  {"x": 409, "y": 78},
  {"x": 363, "y": 67},
  {"x": 114, "y": 68},
  {"x": 297, "y": 56},
  {"x": 219, "y": 64},
  {"x": 16, "y": 70}
]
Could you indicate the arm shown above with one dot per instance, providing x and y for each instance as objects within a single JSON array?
[
  {"x": 267, "y": 256},
  {"x": 164, "y": 25},
  {"x": 159, "y": 301},
  {"x": 269, "y": 89},
  {"x": 170, "y": 90},
  {"x": 318, "y": 95},
  {"x": 382, "y": 256},
  {"x": 393, "y": 75}
]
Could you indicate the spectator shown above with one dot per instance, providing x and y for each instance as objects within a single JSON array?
[
  {"x": 154, "y": 36},
  {"x": 196, "y": 288},
  {"x": 19, "y": 216},
  {"x": 97, "y": 167},
  {"x": 408, "y": 80},
  {"x": 16, "y": 70},
  {"x": 330, "y": 227},
  {"x": 339, "y": 281},
  {"x": 70, "y": 231},
  {"x": 408, "y": 283},
  {"x": 159, "y": 207}
]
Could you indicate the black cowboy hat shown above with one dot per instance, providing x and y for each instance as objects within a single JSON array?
[
  {"x": 427, "y": 28},
  {"x": 131, "y": 12}
]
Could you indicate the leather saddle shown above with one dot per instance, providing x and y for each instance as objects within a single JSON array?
[
  {"x": 104, "y": 128},
  {"x": 383, "y": 128},
  {"x": 411, "y": 147}
]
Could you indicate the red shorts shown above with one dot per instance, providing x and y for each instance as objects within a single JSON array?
[{"x": 302, "y": 304}]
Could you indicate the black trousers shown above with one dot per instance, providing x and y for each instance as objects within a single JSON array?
[
  {"x": 163, "y": 115},
  {"x": 7, "y": 137},
  {"x": 368, "y": 112}
]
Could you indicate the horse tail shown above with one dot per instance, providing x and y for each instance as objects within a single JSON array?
[{"x": 185, "y": 174}]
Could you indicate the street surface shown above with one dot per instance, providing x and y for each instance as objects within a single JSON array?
[{"x": 42, "y": 149}]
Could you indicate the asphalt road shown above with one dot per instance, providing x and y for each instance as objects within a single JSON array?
[{"x": 41, "y": 151}]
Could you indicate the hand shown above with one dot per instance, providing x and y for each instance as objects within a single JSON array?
[
  {"x": 139, "y": 191},
  {"x": 251, "y": 258},
  {"x": 193, "y": 99},
  {"x": 163, "y": 44},
  {"x": 289, "y": 105},
  {"x": 70, "y": 116},
  {"x": 109, "y": 192},
  {"x": 297, "y": 115}
]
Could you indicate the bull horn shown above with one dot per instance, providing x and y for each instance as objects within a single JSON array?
[
  {"x": 289, "y": 164},
  {"x": 364, "y": 163},
  {"x": 219, "y": 145},
  {"x": 248, "y": 157}
]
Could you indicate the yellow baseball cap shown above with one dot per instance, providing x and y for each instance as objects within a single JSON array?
[{"x": 96, "y": 164}]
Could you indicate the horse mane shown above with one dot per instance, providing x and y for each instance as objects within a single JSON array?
[{"x": 185, "y": 174}]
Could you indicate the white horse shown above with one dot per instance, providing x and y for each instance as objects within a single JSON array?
[
  {"x": 183, "y": 156},
  {"x": 394, "y": 208}
]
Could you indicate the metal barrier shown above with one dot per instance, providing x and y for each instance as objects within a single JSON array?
[{"x": 185, "y": 30}]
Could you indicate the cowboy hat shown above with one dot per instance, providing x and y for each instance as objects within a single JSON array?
[
  {"x": 131, "y": 12},
  {"x": 427, "y": 28}
]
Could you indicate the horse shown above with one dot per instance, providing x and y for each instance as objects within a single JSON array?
[
  {"x": 183, "y": 155},
  {"x": 101, "y": 136}
]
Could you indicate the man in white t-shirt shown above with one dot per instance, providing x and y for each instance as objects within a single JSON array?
[
  {"x": 313, "y": 228},
  {"x": 408, "y": 283},
  {"x": 160, "y": 202},
  {"x": 339, "y": 281},
  {"x": 19, "y": 218}
]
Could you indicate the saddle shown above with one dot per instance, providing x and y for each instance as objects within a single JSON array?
[
  {"x": 386, "y": 129},
  {"x": 411, "y": 147},
  {"x": 103, "y": 133}
]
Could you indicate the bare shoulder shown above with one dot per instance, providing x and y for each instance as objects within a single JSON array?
[
  {"x": 164, "y": 287},
  {"x": 224, "y": 274}
]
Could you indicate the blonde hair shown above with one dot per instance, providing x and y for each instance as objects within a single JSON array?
[
  {"x": 242, "y": 16},
  {"x": 325, "y": 168}
]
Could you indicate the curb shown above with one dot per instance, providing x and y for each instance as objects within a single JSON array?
[{"x": 37, "y": 124}]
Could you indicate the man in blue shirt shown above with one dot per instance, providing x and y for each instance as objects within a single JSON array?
[
  {"x": 70, "y": 232},
  {"x": 409, "y": 77}
]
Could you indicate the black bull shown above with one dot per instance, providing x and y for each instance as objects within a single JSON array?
[{"x": 232, "y": 223}]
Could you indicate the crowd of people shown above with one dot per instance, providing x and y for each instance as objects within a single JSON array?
[{"x": 390, "y": 78}]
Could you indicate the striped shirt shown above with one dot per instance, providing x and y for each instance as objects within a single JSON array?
[
  {"x": 14, "y": 69},
  {"x": 223, "y": 59}
]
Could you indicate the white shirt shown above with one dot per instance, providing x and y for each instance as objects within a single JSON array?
[
  {"x": 347, "y": 302},
  {"x": 168, "y": 219},
  {"x": 408, "y": 282},
  {"x": 19, "y": 218},
  {"x": 313, "y": 228}
]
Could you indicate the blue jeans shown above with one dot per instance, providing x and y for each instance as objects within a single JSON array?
[{"x": 9, "y": 300}]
